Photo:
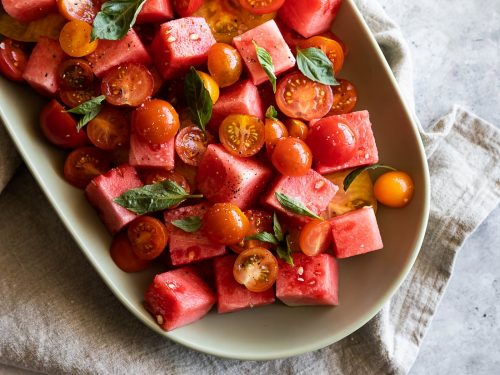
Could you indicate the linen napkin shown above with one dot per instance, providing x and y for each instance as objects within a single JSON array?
[{"x": 57, "y": 316}]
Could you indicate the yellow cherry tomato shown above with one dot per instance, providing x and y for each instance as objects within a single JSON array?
[
  {"x": 210, "y": 85},
  {"x": 394, "y": 189},
  {"x": 75, "y": 39}
]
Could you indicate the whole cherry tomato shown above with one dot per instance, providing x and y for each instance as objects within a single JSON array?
[
  {"x": 225, "y": 224},
  {"x": 292, "y": 157}
]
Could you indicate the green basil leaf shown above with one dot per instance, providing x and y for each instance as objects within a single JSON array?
[
  {"x": 278, "y": 232},
  {"x": 315, "y": 65},
  {"x": 116, "y": 18},
  {"x": 349, "y": 179},
  {"x": 264, "y": 237},
  {"x": 198, "y": 98},
  {"x": 294, "y": 206},
  {"x": 285, "y": 253},
  {"x": 266, "y": 61},
  {"x": 155, "y": 197},
  {"x": 90, "y": 109},
  {"x": 189, "y": 224},
  {"x": 271, "y": 113}
]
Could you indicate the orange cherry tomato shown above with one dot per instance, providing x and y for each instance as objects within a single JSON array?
[
  {"x": 225, "y": 224},
  {"x": 261, "y": 6},
  {"x": 128, "y": 84},
  {"x": 191, "y": 144},
  {"x": 153, "y": 176},
  {"x": 260, "y": 221},
  {"x": 85, "y": 163},
  {"x": 299, "y": 97},
  {"x": 332, "y": 49},
  {"x": 75, "y": 39},
  {"x": 156, "y": 121},
  {"x": 124, "y": 257},
  {"x": 110, "y": 129},
  {"x": 345, "y": 98},
  {"x": 297, "y": 128},
  {"x": 315, "y": 237},
  {"x": 274, "y": 130},
  {"x": 210, "y": 84},
  {"x": 82, "y": 10},
  {"x": 394, "y": 189},
  {"x": 13, "y": 59},
  {"x": 242, "y": 135},
  {"x": 256, "y": 269},
  {"x": 148, "y": 237},
  {"x": 292, "y": 157},
  {"x": 224, "y": 64}
]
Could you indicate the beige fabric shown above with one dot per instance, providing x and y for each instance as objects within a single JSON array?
[{"x": 57, "y": 316}]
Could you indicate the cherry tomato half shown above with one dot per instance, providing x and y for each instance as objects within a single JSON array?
[
  {"x": 83, "y": 164},
  {"x": 127, "y": 84},
  {"x": 299, "y": 97},
  {"x": 191, "y": 144},
  {"x": 224, "y": 64},
  {"x": 73, "y": 98},
  {"x": 394, "y": 189},
  {"x": 260, "y": 221},
  {"x": 75, "y": 74},
  {"x": 124, "y": 257},
  {"x": 59, "y": 127},
  {"x": 156, "y": 121},
  {"x": 332, "y": 49},
  {"x": 186, "y": 8},
  {"x": 261, "y": 6},
  {"x": 292, "y": 157},
  {"x": 297, "y": 128},
  {"x": 110, "y": 129},
  {"x": 345, "y": 98},
  {"x": 13, "y": 59},
  {"x": 75, "y": 39},
  {"x": 242, "y": 135},
  {"x": 256, "y": 269},
  {"x": 148, "y": 237},
  {"x": 315, "y": 237},
  {"x": 225, "y": 224},
  {"x": 82, "y": 10}
]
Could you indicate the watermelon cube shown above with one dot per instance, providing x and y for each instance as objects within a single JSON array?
[
  {"x": 177, "y": 298},
  {"x": 310, "y": 17},
  {"x": 310, "y": 281},
  {"x": 102, "y": 191},
  {"x": 223, "y": 177},
  {"x": 155, "y": 11},
  {"x": 242, "y": 98},
  {"x": 366, "y": 153},
  {"x": 184, "y": 247},
  {"x": 146, "y": 155},
  {"x": 267, "y": 36},
  {"x": 180, "y": 44},
  {"x": 232, "y": 296},
  {"x": 312, "y": 190},
  {"x": 110, "y": 53},
  {"x": 41, "y": 70},
  {"x": 29, "y": 10},
  {"x": 355, "y": 233}
]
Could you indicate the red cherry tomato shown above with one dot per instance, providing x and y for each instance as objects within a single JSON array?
[
  {"x": 260, "y": 221},
  {"x": 345, "y": 98},
  {"x": 75, "y": 74},
  {"x": 73, "y": 98},
  {"x": 124, "y": 257},
  {"x": 154, "y": 176},
  {"x": 191, "y": 144},
  {"x": 156, "y": 121},
  {"x": 331, "y": 141},
  {"x": 128, "y": 84},
  {"x": 83, "y": 164},
  {"x": 292, "y": 157},
  {"x": 186, "y": 8},
  {"x": 256, "y": 269},
  {"x": 299, "y": 97},
  {"x": 225, "y": 224},
  {"x": 82, "y": 10},
  {"x": 261, "y": 6},
  {"x": 13, "y": 59},
  {"x": 242, "y": 135},
  {"x": 148, "y": 237},
  {"x": 315, "y": 237},
  {"x": 60, "y": 128},
  {"x": 332, "y": 49},
  {"x": 110, "y": 129}
]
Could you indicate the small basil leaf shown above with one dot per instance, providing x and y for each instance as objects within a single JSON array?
[
  {"x": 189, "y": 224},
  {"x": 271, "y": 113},
  {"x": 90, "y": 109},
  {"x": 278, "y": 232},
  {"x": 349, "y": 179},
  {"x": 315, "y": 65},
  {"x": 266, "y": 61},
  {"x": 294, "y": 206},
  {"x": 116, "y": 18},
  {"x": 198, "y": 98},
  {"x": 264, "y": 237},
  {"x": 285, "y": 253}
]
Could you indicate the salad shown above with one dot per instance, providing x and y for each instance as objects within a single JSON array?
[{"x": 213, "y": 137}]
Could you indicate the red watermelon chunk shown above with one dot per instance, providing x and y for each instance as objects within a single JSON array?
[
  {"x": 180, "y": 44},
  {"x": 311, "y": 281},
  {"x": 186, "y": 248},
  {"x": 309, "y": 17},
  {"x": 177, "y": 298},
  {"x": 312, "y": 190},
  {"x": 110, "y": 53},
  {"x": 355, "y": 233},
  {"x": 41, "y": 70},
  {"x": 366, "y": 152},
  {"x": 29, "y": 10},
  {"x": 103, "y": 189},
  {"x": 267, "y": 36},
  {"x": 155, "y": 11},
  {"x": 232, "y": 296},
  {"x": 223, "y": 177},
  {"x": 145, "y": 155},
  {"x": 242, "y": 98}
]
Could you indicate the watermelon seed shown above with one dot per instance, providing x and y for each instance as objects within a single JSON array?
[{"x": 159, "y": 319}]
